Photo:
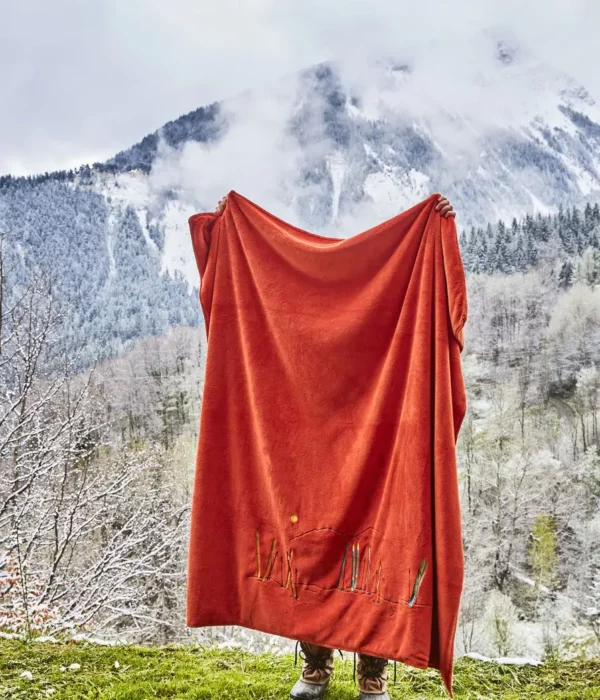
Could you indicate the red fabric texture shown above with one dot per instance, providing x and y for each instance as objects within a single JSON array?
[{"x": 326, "y": 504}]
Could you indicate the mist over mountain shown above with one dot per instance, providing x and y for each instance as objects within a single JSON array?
[{"x": 336, "y": 149}]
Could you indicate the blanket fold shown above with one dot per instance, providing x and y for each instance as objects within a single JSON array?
[{"x": 325, "y": 504}]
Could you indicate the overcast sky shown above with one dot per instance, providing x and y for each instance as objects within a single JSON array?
[{"x": 83, "y": 79}]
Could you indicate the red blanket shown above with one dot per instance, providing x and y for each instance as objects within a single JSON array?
[{"x": 326, "y": 503}]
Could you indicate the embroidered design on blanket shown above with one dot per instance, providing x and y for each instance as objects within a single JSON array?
[{"x": 311, "y": 562}]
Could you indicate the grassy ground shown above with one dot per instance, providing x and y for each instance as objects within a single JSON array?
[{"x": 174, "y": 672}]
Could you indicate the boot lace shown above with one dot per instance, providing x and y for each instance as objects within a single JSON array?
[
  {"x": 314, "y": 661},
  {"x": 372, "y": 666}
]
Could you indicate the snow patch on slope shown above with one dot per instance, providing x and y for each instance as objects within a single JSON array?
[
  {"x": 336, "y": 164},
  {"x": 539, "y": 206},
  {"x": 133, "y": 189},
  {"x": 129, "y": 188},
  {"x": 393, "y": 191},
  {"x": 178, "y": 253}
]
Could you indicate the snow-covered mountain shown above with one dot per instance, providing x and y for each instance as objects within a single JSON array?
[
  {"x": 330, "y": 149},
  {"x": 337, "y": 155}
]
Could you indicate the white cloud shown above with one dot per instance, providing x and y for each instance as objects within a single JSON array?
[
  {"x": 81, "y": 81},
  {"x": 255, "y": 156}
]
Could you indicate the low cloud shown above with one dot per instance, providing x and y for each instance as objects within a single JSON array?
[{"x": 82, "y": 81}]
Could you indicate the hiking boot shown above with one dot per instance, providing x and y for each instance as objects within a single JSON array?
[
  {"x": 372, "y": 678},
  {"x": 316, "y": 672}
]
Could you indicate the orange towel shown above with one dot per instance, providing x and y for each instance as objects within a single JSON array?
[{"x": 326, "y": 503}]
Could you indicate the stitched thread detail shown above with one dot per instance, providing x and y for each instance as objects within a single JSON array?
[
  {"x": 378, "y": 583},
  {"x": 340, "y": 583},
  {"x": 367, "y": 576},
  {"x": 418, "y": 580},
  {"x": 270, "y": 560},
  {"x": 292, "y": 582},
  {"x": 257, "y": 554},
  {"x": 311, "y": 586},
  {"x": 355, "y": 564}
]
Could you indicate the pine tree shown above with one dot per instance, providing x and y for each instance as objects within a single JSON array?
[
  {"x": 542, "y": 229},
  {"x": 565, "y": 276},
  {"x": 528, "y": 224},
  {"x": 467, "y": 248},
  {"x": 501, "y": 231},
  {"x": 565, "y": 232},
  {"x": 501, "y": 261},
  {"x": 514, "y": 229},
  {"x": 520, "y": 255},
  {"x": 530, "y": 248},
  {"x": 577, "y": 234},
  {"x": 588, "y": 220},
  {"x": 481, "y": 259}
]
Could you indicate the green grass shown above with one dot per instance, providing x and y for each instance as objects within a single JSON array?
[{"x": 194, "y": 672}]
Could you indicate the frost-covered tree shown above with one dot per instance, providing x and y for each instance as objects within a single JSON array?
[
  {"x": 92, "y": 536},
  {"x": 565, "y": 276}
]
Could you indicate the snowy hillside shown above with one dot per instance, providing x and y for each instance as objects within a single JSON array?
[
  {"x": 337, "y": 155},
  {"x": 332, "y": 149}
]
